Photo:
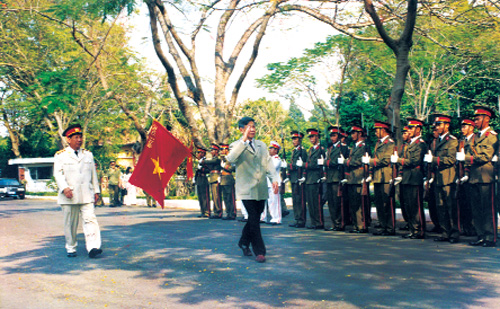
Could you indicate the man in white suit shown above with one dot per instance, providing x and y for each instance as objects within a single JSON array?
[
  {"x": 76, "y": 177},
  {"x": 253, "y": 166}
]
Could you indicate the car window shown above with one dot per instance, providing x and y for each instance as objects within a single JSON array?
[{"x": 9, "y": 182}]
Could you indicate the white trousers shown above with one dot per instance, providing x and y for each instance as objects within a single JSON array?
[
  {"x": 274, "y": 206},
  {"x": 91, "y": 230}
]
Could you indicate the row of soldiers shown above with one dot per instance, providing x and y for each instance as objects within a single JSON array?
[{"x": 456, "y": 177}]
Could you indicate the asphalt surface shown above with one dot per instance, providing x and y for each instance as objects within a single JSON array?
[{"x": 169, "y": 258}]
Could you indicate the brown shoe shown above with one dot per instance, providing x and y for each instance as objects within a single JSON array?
[{"x": 260, "y": 258}]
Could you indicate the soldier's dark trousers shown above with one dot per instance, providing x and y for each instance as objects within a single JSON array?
[
  {"x": 228, "y": 193},
  {"x": 357, "y": 212},
  {"x": 203, "y": 191},
  {"x": 483, "y": 211},
  {"x": 465, "y": 211},
  {"x": 385, "y": 211},
  {"x": 431, "y": 205},
  {"x": 447, "y": 210},
  {"x": 299, "y": 203},
  {"x": 314, "y": 204},
  {"x": 337, "y": 213},
  {"x": 114, "y": 192},
  {"x": 412, "y": 199},
  {"x": 251, "y": 231},
  {"x": 216, "y": 199}
]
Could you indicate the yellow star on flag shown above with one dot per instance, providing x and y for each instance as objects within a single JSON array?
[{"x": 158, "y": 170}]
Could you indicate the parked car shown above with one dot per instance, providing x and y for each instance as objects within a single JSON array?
[{"x": 11, "y": 187}]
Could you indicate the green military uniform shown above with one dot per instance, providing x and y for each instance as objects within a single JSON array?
[
  {"x": 294, "y": 173},
  {"x": 443, "y": 164},
  {"x": 401, "y": 151},
  {"x": 227, "y": 188},
  {"x": 412, "y": 181},
  {"x": 215, "y": 168},
  {"x": 358, "y": 204},
  {"x": 464, "y": 201},
  {"x": 381, "y": 172},
  {"x": 114, "y": 175},
  {"x": 203, "y": 187},
  {"x": 481, "y": 180},
  {"x": 431, "y": 200},
  {"x": 334, "y": 174},
  {"x": 314, "y": 174}
]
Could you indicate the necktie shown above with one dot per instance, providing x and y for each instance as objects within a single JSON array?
[
  {"x": 251, "y": 145},
  {"x": 76, "y": 153}
]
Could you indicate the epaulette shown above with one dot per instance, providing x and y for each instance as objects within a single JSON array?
[
  {"x": 493, "y": 132},
  {"x": 343, "y": 144},
  {"x": 452, "y": 137},
  {"x": 60, "y": 151},
  {"x": 390, "y": 140}
]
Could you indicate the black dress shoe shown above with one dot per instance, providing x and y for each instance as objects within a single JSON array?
[
  {"x": 488, "y": 243},
  {"x": 319, "y": 227},
  {"x": 454, "y": 240},
  {"x": 94, "y": 252},
  {"x": 408, "y": 235},
  {"x": 329, "y": 229},
  {"x": 285, "y": 213},
  {"x": 441, "y": 238},
  {"x": 416, "y": 236},
  {"x": 354, "y": 231},
  {"x": 246, "y": 250},
  {"x": 300, "y": 226},
  {"x": 215, "y": 217},
  {"x": 378, "y": 233},
  {"x": 228, "y": 218},
  {"x": 71, "y": 254},
  {"x": 243, "y": 220},
  {"x": 404, "y": 228},
  {"x": 363, "y": 231},
  {"x": 338, "y": 229},
  {"x": 436, "y": 230},
  {"x": 478, "y": 242},
  {"x": 261, "y": 221},
  {"x": 388, "y": 233}
]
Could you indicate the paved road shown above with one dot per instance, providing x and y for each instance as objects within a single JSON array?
[{"x": 169, "y": 258}]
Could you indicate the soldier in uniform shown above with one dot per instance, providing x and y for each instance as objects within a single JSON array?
[
  {"x": 431, "y": 200},
  {"x": 355, "y": 178},
  {"x": 227, "y": 184},
  {"x": 411, "y": 179},
  {"x": 381, "y": 173},
  {"x": 482, "y": 178},
  {"x": 202, "y": 185},
  {"x": 406, "y": 140},
  {"x": 295, "y": 173},
  {"x": 333, "y": 178},
  {"x": 464, "y": 204},
  {"x": 274, "y": 199},
  {"x": 314, "y": 177},
  {"x": 114, "y": 183},
  {"x": 443, "y": 164},
  {"x": 76, "y": 178},
  {"x": 214, "y": 165}
]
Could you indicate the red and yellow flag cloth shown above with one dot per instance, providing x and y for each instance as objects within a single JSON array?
[
  {"x": 160, "y": 158},
  {"x": 189, "y": 164}
]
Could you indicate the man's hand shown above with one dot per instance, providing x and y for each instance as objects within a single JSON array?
[
  {"x": 341, "y": 159},
  {"x": 365, "y": 159},
  {"x": 283, "y": 163},
  {"x": 394, "y": 157},
  {"x": 343, "y": 181},
  {"x": 428, "y": 157},
  {"x": 68, "y": 192},
  {"x": 321, "y": 161},
  {"x": 397, "y": 180},
  {"x": 245, "y": 134},
  {"x": 286, "y": 180},
  {"x": 368, "y": 179},
  {"x": 299, "y": 162},
  {"x": 301, "y": 180},
  {"x": 276, "y": 187},
  {"x": 461, "y": 155},
  {"x": 96, "y": 198}
]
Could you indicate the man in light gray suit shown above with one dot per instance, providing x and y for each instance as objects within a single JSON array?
[{"x": 253, "y": 166}]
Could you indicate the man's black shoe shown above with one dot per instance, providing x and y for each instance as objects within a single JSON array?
[
  {"x": 488, "y": 243},
  {"x": 404, "y": 228},
  {"x": 245, "y": 249},
  {"x": 388, "y": 233},
  {"x": 436, "y": 230},
  {"x": 416, "y": 236},
  {"x": 71, "y": 254},
  {"x": 285, "y": 213},
  {"x": 329, "y": 229},
  {"x": 408, "y": 235},
  {"x": 378, "y": 233},
  {"x": 363, "y": 231},
  {"x": 293, "y": 225},
  {"x": 215, "y": 217},
  {"x": 319, "y": 227},
  {"x": 454, "y": 240},
  {"x": 243, "y": 220},
  {"x": 338, "y": 229},
  {"x": 94, "y": 252},
  {"x": 478, "y": 242}
]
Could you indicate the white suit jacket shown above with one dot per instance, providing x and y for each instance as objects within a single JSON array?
[
  {"x": 252, "y": 169},
  {"x": 78, "y": 173}
]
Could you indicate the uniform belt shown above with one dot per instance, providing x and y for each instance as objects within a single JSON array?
[
  {"x": 214, "y": 172},
  {"x": 226, "y": 173}
]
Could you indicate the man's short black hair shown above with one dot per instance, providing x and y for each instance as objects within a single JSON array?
[{"x": 244, "y": 121}]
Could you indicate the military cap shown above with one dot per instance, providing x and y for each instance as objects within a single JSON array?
[
  {"x": 441, "y": 118},
  {"x": 414, "y": 122},
  {"x": 382, "y": 125},
  {"x": 296, "y": 134},
  {"x": 357, "y": 129},
  {"x": 275, "y": 145},
  {"x": 405, "y": 129},
  {"x": 311, "y": 132},
  {"x": 201, "y": 149},
  {"x": 72, "y": 130},
  {"x": 224, "y": 146},
  {"x": 335, "y": 130},
  {"x": 468, "y": 122},
  {"x": 215, "y": 147},
  {"x": 480, "y": 110}
]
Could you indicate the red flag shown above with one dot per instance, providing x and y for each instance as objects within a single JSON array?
[
  {"x": 160, "y": 158},
  {"x": 189, "y": 163}
]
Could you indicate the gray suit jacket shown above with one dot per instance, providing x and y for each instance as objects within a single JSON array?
[{"x": 252, "y": 168}]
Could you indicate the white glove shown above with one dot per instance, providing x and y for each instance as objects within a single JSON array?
[
  {"x": 365, "y": 159},
  {"x": 283, "y": 163},
  {"x": 322, "y": 179},
  {"x": 394, "y": 157},
  {"x": 301, "y": 180},
  {"x": 428, "y": 157},
  {"x": 494, "y": 159},
  {"x": 464, "y": 179},
  {"x": 369, "y": 179},
  {"x": 461, "y": 156},
  {"x": 199, "y": 166},
  {"x": 299, "y": 162},
  {"x": 397, "y": 180},
  {"x": 343, "y": 181},
  {"x": 321, "y": 161},
  {"x": 222, "y": 164},
  {"x": 193, "y": 181},
  {"x": 341, "y": 159},
  {"x": 218, "y": 179},
  {"x": 286, "y": 180}
]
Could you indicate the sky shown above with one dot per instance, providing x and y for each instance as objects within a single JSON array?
[{"x": 278, "y": 45}]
